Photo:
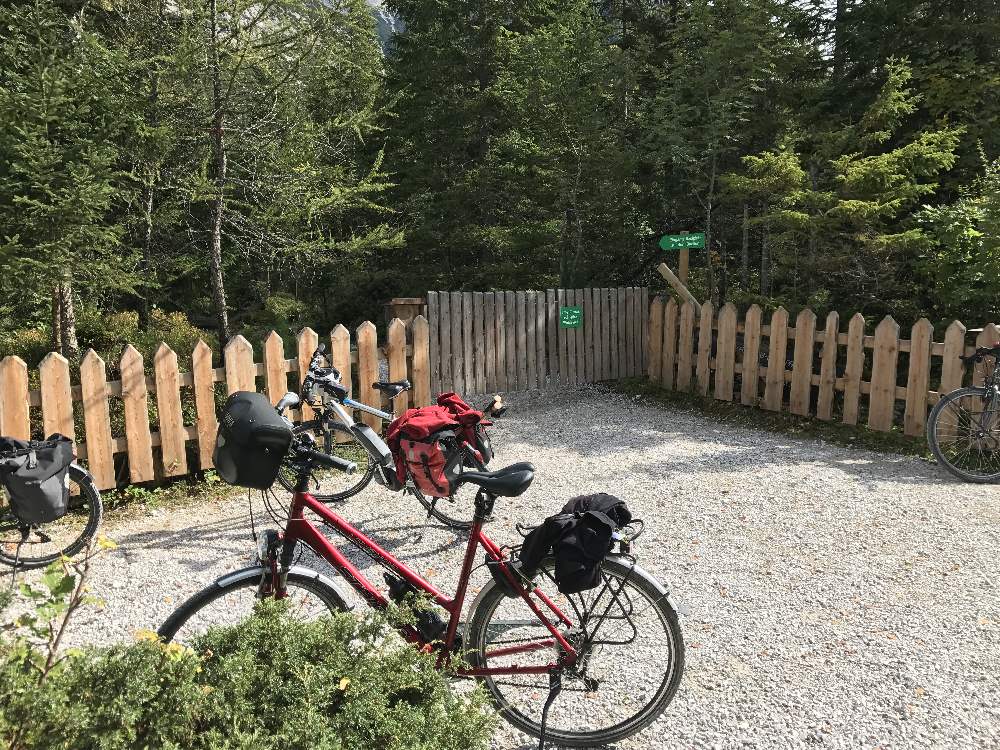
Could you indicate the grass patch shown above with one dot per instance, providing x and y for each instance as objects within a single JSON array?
[
  {"x": 195, "y": 489},
  {"x": 728, "y": 412}
]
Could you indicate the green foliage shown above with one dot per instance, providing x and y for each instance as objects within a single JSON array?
[{"x": 271, "y": 682}]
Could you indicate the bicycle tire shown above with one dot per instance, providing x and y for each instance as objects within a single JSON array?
[
  {"x": 234, "y": 584},
  {"x": 95, "y": 510},
  {"x": 934, "y": 436},
  {"x": 438, "y": 507},
  {"x": 493, "y": 596},
  {"x": 329, "y": 445}
]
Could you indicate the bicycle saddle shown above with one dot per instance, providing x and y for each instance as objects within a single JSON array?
[
  {"x": 392, "y": 388},
  {"x": 509, "y": 481}
]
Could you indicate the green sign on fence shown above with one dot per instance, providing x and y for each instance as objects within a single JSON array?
[
  {"x": 570, "y": 317},
  {"x": 690, "y": 241}
]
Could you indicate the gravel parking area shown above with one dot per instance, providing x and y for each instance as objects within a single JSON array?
[{"x": 833, "y": 597}]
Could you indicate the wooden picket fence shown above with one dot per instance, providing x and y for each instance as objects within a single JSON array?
[
  {"x": 482, "y": 342},
  {"x": 825, "y": 373},
  {"x": 186, "y": 399}
]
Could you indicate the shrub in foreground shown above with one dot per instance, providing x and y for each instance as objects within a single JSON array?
[{"x": 272, "y": 682}]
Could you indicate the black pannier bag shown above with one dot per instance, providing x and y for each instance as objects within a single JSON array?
[
  {"x": 35, "y": 474},
  {"x": 252, "y": 441},
  {"x": 579, "y": 537}
]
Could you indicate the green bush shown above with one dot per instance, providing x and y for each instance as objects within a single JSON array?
[{"x": 272, "y": 682}]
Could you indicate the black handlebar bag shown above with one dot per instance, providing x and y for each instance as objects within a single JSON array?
[
  {"x": 252, "y": 441},
  {"x": 35, "y": 474}
]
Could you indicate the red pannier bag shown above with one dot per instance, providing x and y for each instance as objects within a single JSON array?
[
  {"x": 473, "y": 423},
  {"x": 426, "y": 462}
]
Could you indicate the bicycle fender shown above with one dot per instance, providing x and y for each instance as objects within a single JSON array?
[
  {"x": 639, "y": 571},
  {"x": 258, "y": 570}
]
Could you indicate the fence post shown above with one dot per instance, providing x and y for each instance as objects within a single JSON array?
[
  {"x": 275, "y": 369},
  {"x": 368, "y": 371},
  {"x": 510, "y": 336},
  {"x": 882, "y": 397},
  {"x": 655, "y": 340},
  {"x": 854, "y": 367},
  {"x": 750, "y": 365},
  {"x": 989, "y": 336},
  {"x": 307, "y": 341},
  {"x": 241, "y": 373},
  {"x": 530, "y": 352},
  {"x": 541, "y": 354},
  {"x": 705, "y": 347},
  {"x": 395, "y": 352},
  {"x": 457, "y": 349},
  {"x": 777, "y": 351},
  {"x": 469, "y": 368},
  {"x": 168, "y": 404},
  {"x": 499, "y": 300},
  {"x": 204, "y": 401},
  {"x": 952, "y": 369},
  {"x": 828, "y": 367},
  {"x": 340, "y": 357},
  {"x": 490, "y": 340},
  {"x": 135, "y": 400},
  {"x": 14, "y": 397},
  {"x": 57, "y": 395},
  {"x": 434, "y": 351},
  {"x": 725, "y": 353},
  {"x": 918, "y": 377},
  {"x": 669, "y": 366},
  {"x": 421, "y": 374},
  {"x": 97, "y": 420},
  {"x": 623, "y": 371},
  {"x": 802, "y": 363},
  {"x": 478, "y": 343}
]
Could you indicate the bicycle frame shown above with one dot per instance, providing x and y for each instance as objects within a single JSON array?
[{"x": 300, "y": 529}]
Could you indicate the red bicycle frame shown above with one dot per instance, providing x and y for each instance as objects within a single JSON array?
[{"x": 300, "y": 529}]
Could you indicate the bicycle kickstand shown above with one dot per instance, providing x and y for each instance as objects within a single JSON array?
[{"x": 555, "y": 686}]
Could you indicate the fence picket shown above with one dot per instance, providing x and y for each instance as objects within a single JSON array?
[
  {"x": 750, "y": 362},
  {"x": 367, "y": 338},
  {"x": 632, "y": 359},
  {"x": 541, "y": 356},
  {"x": 530, "y": 351},
  {"x": 725, "y": 353},
  {"x": 340, "y": 357},
  {"x": 511, "y": 352},
  {"x": 622, "y": 335},
  {"x": 478, "y": 342},
  {"x": 421, "y": 371},
  {"x": 395, "y": 352},
  {"x": 669, "y": 365},
  {"x": 501, "y": 340},
  {"x": 57, "y": 395},
  {"x": 521, "y": 334},
  {"x": 552, "y": 335},
  {"x": 457, "y": 347},
  {"x": 206, "y": 422},
  {"x": 607, "y": 338},
  {"x": 469, "y": 364},
  {"x": 988, "y": 337},
  {"x": 828, "y": 367},
  {"x": 656, "y": 340},
  {"x": 777, "y": 351},
  {"x": 97, "y": 420},
  {"x": 306, "y": 342},
  {"x": 168, "y": 405},
  {"x": 704, "y": 371},
  {"x": 918, "y": 377},
  {"x": 447, "y": 381},
  {"x": 800, "y": 393},
  {"x": 562, "y": 334},
  {"x": 581, "y": 340},
  {"x": 241, "y": 373},
  {"x": 15, "y": 421},
  {"x": 644, "y": 326},
  {"x": 854, "y": 367},
  {"x": 685, "y": 347},
  {"x": 275, "y": 369},
  {"x": 882, "y": 397},
  {"x": 489, "y": 342},
  {"x": 135, "y": 405},
  {"x": 434, "y": 352},
  {"x": 596, "y": 329},
  {"x": 952, "y": 369}
]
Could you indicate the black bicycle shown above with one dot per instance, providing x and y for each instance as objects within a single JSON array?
[
  {"x": 963, "y": 429},
  {"x": 335, "y": 433}
]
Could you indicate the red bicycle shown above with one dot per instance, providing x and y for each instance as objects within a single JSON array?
[{"x": 612, "y": 656}]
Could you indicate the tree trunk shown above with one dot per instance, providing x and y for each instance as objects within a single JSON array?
[
  {"x": 68, "y": 345},
  {"x": 765, "y": 266},
  {"x": 745, "y": 266},
  {"x": 56, "y": 343},
  {"x": 147, "y": 257},
  {"x": 839, "y": 25},
  {"x": 219, "y": 180},
  {"x": 713, "y": 291}
]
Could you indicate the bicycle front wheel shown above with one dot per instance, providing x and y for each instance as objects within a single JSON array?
[
  {"x": 334, "y": 439},
  {"x": 963, "y": 432},
  {"x": 45, "y": 543},
  {"x": 631, "y": 655}
]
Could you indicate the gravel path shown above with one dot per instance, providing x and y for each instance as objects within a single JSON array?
[{"x": 833, "y": 596}]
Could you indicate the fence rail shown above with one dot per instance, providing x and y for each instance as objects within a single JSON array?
[
  {"x": 807, "y": 370},
  {"x": 513, "y": 341},
  {"x": 144, "y": 426}
]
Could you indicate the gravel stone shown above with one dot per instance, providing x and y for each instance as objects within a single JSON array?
[{"x": 832, "y": 597}]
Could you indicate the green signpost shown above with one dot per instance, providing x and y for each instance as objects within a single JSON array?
[
  {"x": 689, "y": 241},
  {"x": 570, "y": 317}
]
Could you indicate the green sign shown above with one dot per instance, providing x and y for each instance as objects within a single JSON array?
[
  {"x": 691, "y": 241},
  {"x": 570, "y": 317}
]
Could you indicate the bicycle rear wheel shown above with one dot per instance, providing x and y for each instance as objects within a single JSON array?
[
  {"x": 328, "y": 485},
  {"x": 632, "y": 656},
  {"x": 963, "y": 432},
  {"x": 46, "y": 543}
]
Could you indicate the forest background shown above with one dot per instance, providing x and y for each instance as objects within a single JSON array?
[{"x": 175, "y": 169}]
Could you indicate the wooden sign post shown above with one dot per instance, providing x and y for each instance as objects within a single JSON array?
[{"x": 685, "y": 242}]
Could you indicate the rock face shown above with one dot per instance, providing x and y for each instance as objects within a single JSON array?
[{"x": 386, "y": 22}]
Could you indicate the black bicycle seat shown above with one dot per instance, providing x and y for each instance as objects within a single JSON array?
[
  {"x": 509, "y": 481},
  {"x": 392, "y": 388}
]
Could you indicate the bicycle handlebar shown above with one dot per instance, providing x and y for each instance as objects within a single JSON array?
[{"x": 330, "y": 462}]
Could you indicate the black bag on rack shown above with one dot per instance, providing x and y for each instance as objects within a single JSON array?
[
  {"x": 35, "y": 474},
  {"x": 252, "y": 441}
]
